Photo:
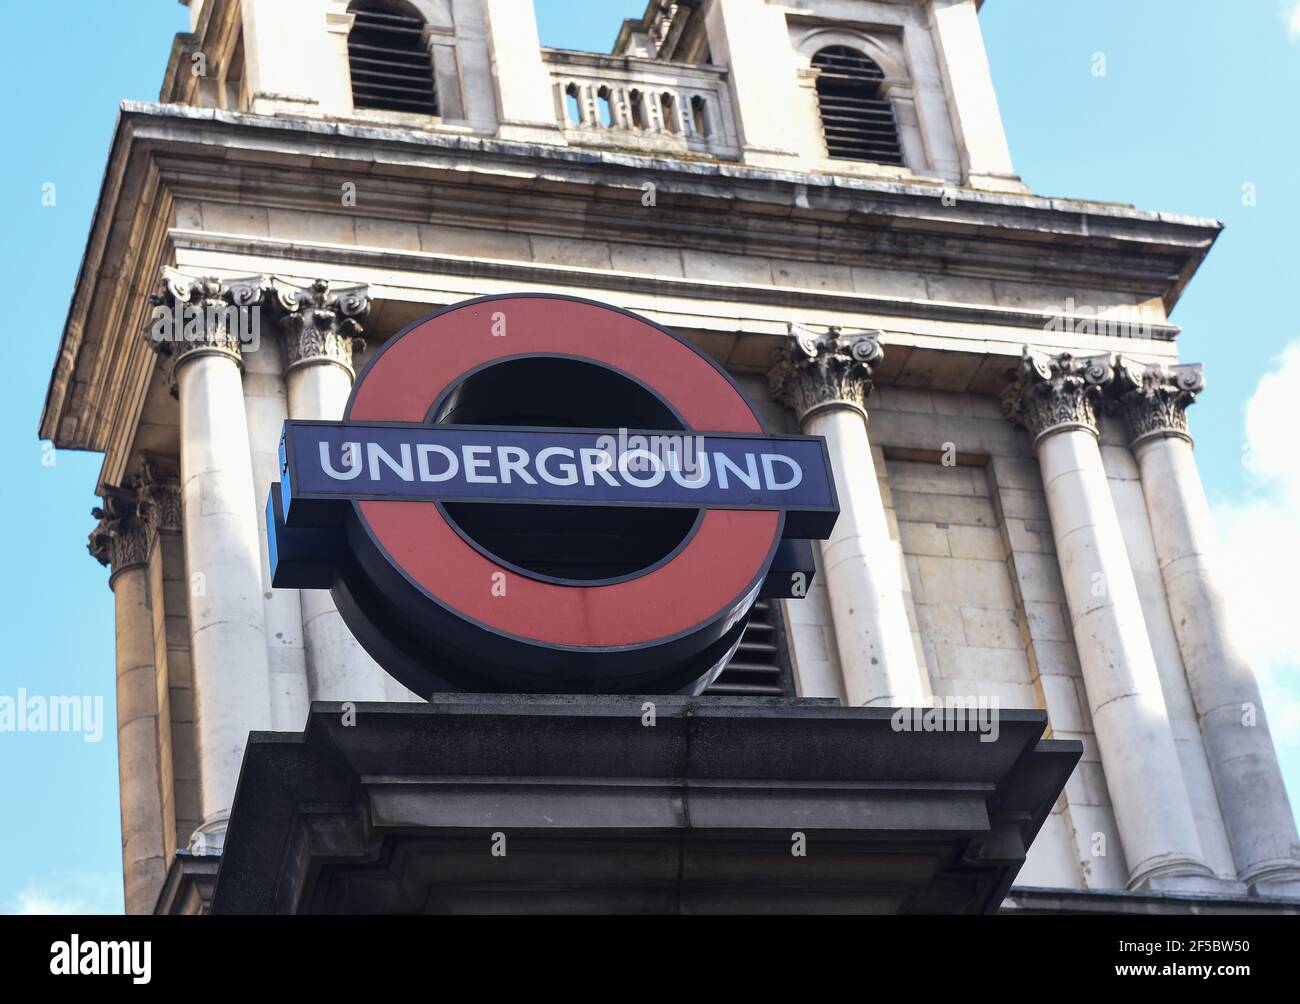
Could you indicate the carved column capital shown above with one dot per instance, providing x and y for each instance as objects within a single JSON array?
[
  {"x": 1152, "y": 400},
  {"x": 831, "y": 370},
  {"x": 119, "y": 538},
  {"x": 1056, "y": 393},
  {"x": 159, "y": 498},
  {"x": 320, "y": 323},
  {"x": 193, "y": 317}
]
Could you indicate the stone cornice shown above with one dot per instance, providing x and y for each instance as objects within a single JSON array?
[
  {"x": 320, "y": 323},
  {"x": 1114, "y": 219},
  {"x": 119, "y": 539},
  {"x": 781, "y": 213},
  {"x": 831, "y": 370},
  {"x": 1059, "y": 393},
  {"x": 397, "y": 260},
  {"x": 159, "y": 150},
  {"x": 1152, "y": 400}
]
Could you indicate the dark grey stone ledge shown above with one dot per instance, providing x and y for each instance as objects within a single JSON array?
[{"x": 398, "y": 813}]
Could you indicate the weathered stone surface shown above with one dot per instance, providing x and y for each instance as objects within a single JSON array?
[{"x": 597, "y": 812}]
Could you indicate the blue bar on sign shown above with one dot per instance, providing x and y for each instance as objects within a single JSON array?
[{"x": 614, "y": 467}]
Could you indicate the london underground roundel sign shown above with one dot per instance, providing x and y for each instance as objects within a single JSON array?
[{"x": 537, "y": 493}]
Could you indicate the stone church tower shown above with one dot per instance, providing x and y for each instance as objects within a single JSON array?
[{"x": 820, "y": 195}]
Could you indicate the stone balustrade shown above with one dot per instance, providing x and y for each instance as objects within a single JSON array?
[{"x": 643, "y": 104}]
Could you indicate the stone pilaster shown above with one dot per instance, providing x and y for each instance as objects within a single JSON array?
[
  {"x": 159, "y": 509},
  {"x": 524, "y": 98},
  {"x": 972, "y": 102},
  {"x": 1056, "y": 398},
  {"x": 1153, "y": 401},
  {"x": 826, "y": 380},
  {"x": 320, "y": 323}
]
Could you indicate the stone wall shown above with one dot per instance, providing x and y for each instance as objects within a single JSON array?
[{"x": 988, "y": 609}]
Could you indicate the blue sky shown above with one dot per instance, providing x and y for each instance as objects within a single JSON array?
[{"x": 1196, "y": 102}]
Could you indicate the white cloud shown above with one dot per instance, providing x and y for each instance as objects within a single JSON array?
[
  {"x": 72, "y": 893},
  {"x": 1261, "y": 545},
  {"x": 1291, "y": 15},
  {"x": 32, "y": 902}
]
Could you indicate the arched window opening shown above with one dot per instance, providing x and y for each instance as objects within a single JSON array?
[
  {"x": 605, "y": 107},
  {"x": 668, "y": 111},
  {"x": 573, "y": 105},
  {"x": 389, "y": 60},
  {"x": 700, "y": 115},
  {"x": 857, "y": 119},
  {"x": 636, "y": 107}
]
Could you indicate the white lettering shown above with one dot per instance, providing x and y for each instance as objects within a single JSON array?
[
  {"x": 749, "y": 476},
  {"x": 351, "y": 455},
  {"x": 700, "y": 465},
  {"x": 631, "y": 458},
  {"x": 769, "y": 476},
  {"x": 403, "y": 468},
  {"x": 475, "y": 460},
  {"x": 453, "y": 464},
  {"x": 568, "y": 472},
  {"x": 514, "y": 460},
  {"x": 102, "y": 958},
  {"x": 595, "y": 462}
]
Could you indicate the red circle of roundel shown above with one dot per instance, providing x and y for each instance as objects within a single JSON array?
[{"x": 719, "y": 564}]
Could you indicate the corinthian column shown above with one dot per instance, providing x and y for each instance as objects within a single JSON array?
[
  {"x": 119, "y": 541},
  {"x": 266, "y": 407},
  {"x": 200, "y": 326},
  {"x": 1056, "y": 399},
  {"x": 826, "y": 380},
  {"x": 1152, "y": 401},
  {"x": 319, "y": 326}
]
